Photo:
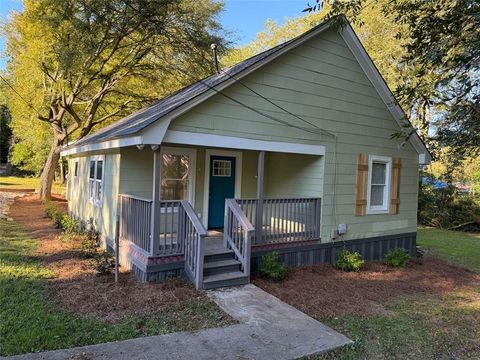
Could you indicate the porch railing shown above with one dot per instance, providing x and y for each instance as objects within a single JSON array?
[
  {"x": 238, "y": 232},
  {"x": 193, "y": 232},
  {"x": 284, "y": 220},
  {"x": 135, "y": 218}
]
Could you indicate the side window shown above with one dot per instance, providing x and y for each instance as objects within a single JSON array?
[
  {"x": 95, "y": 180},
  {"x": 379, "y": 184}
]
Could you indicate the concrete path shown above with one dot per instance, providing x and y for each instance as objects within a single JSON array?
[
  {"x": 269, "y": 329},
  {"x": 6, "y": 200}
]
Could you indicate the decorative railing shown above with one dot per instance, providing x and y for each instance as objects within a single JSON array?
[
  {"x": 193, "y": 232},
  {"x": 283, "y": 220},
  {"x": 135, "y": 218},
  {"x": 238, "y": 232}
]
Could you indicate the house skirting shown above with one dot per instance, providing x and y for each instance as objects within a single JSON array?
[
  {"x": 158, "y": 269},
  {"x": 304, "y": 253}
]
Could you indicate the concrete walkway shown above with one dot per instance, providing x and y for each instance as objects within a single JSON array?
[{"x": 269, "y": 329}]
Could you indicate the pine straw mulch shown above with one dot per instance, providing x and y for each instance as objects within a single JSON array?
[
  {"x": 324, "y": 292},
  {"x": 78, "y": 289}
]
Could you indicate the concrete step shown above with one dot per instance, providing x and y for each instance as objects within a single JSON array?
[
  {"x": 217, "y": 254},
  {"x": 223, "y": 280},
  {"x": 221, "y": 266}
]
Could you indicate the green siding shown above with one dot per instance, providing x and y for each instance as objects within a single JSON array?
[
  {"x": 321, "y": 82},
  {"x": 80, "y": 206}
]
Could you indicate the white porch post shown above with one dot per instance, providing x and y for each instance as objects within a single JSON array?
[
  {"x": 155, "y": 213},
  {"x": 259, "y": 210}
]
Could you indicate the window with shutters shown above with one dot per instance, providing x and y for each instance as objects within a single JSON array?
[
  {"x": 379, "y": 184},
  {"x": 95, "y": 180}
]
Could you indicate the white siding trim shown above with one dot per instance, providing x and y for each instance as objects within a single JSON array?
[
  {"x": 111, "y": 144},
  {"x": 388, "y": 184},
  {"x": 238, "y": 177},
  {"x": 201, "y": 139}
]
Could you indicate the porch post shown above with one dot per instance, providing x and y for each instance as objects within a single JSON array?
[
  {"x": 259, "y": 209},
  {"x": 155, "y": 213}
]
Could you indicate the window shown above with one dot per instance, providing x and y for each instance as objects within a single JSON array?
[
  {"x": 177, "y": 173},
  {"x": 75, "y": 169},
  {"x": 378, "y": 197},
  {"x": 222, "y": 168},
  {"x": 95, "y": 180}
]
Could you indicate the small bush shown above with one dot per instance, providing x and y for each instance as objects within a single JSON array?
[
  {"x": 69, "y": 225},
  {"x": 104, "y": 262},
  {"x": 397, "y": 257},
  {"x": 271, "y": 267},
  {"x": 90, "y": 244},
  {"x": 50, "y": 209},
  {"x": 349, "y": 261}
]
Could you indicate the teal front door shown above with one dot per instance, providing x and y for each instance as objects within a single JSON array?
[{"x": 222, "y": 186}]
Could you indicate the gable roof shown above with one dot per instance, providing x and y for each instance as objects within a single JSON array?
[{"x": 128, "y": 130}]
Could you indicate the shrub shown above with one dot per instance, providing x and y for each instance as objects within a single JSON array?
[
  {"x": 104, "y": 262},
  {"x": 397, "y": 257},
  {"x": 69, "y": 225},
  {"x": 349, "y": 261},
  {"x": 271, "y": 267},
  {"x": 447, "y": 208},
  {"x": 54, "y": 213},
  {"x": 90, "y": 244}
]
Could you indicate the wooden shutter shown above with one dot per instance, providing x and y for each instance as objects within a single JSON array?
[
  {"x": 395, "y": 189},
  {"x": 362, "y": 183}
]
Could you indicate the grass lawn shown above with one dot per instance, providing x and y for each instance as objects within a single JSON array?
[
  {"x": 457, "y": 247},
  {"x": 14, "y": 182},
  {"x": 31, "y": 322},
  {"x": 415, "y": 324}
]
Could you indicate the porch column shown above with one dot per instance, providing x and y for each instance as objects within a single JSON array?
[
  {"x": 259, "y": 209},
  {"x": 155, "y": 213}
]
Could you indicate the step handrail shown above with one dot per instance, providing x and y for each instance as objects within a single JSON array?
[
  {"x": 238, "y": 232},
  {"x": 193, "y": 232}
]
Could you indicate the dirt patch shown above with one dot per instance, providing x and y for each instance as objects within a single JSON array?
[
  {"x": 78, "y": 289},
  {"x": 323, "y": 291}
]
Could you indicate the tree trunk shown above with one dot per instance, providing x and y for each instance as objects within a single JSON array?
[
  {"x": 62, "y": 172},
  {"x": 48, "y": 172}
]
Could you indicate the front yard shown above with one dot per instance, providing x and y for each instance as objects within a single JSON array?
[
  {"x": 429, "y": 310},
  {"x": 51, "y": 297},
  {"x": 11, "y": 183}
]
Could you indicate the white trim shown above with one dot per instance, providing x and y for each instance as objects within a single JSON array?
[
  {"x": 354, "y": 44},
  {"x": 111, "y": 144},
  {"x": 93, "y": 200},
  {"x": 206, "y": 188},
  {"x": 388, "y": 182},
  {"x": 192, "y": 153},
  {"x": 202, "y": 139}
]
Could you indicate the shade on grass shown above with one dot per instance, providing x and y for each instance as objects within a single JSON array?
[
  {"x": 458, "y": 247},
  {"x": 31, "y": 322},
  {"x": 21, "y": 183}
]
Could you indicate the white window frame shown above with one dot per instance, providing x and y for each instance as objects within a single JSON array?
[
  {"x": 385, "y": 208},
  {"x": 92, "y": 196},
  {"x": 76, "y": 170},
  {"x": 192, "y": 154}
]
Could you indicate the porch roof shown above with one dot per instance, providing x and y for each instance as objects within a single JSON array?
[{"x": 130, "y": 130}]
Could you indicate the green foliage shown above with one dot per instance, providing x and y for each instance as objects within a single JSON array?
[
  {"x": 5, "y": 133},
  {"x": 31, "y": 322},
  {"x": 447, "y": 208},
  {"x": 104, "y": 262},
  {"x": 272, "y": 268},
  {"x": 53, "y": 212},
  {"x": 349, "y": 261},
  {"x": 397, "y": 257},
  {"x": 90, "y": 243},
  {"x": 69, "y": 225}
]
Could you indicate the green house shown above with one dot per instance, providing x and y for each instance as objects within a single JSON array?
[{"x": 290, "y": 150}]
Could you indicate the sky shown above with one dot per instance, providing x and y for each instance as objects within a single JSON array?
[{"x": 242, "y": 17}]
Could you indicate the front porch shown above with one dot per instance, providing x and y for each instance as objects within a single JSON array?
[{"x": 217, "y": 187}]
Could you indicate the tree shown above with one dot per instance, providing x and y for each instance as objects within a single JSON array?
[
  {"x": 5, "y": 133},
  {"x": 441, "y": 40},
  {"x": 78, "y": 64}
]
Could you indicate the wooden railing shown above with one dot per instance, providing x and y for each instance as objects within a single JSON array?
[
  {"x": 284, "y": 220},
  {"x": 135, "y": 217},
  {"x": 193, "y": 233},
  {"x": 238, "y": 232}
]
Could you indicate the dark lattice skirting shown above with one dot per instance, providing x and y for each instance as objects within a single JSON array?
[{"x": 374, "y": 248}]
